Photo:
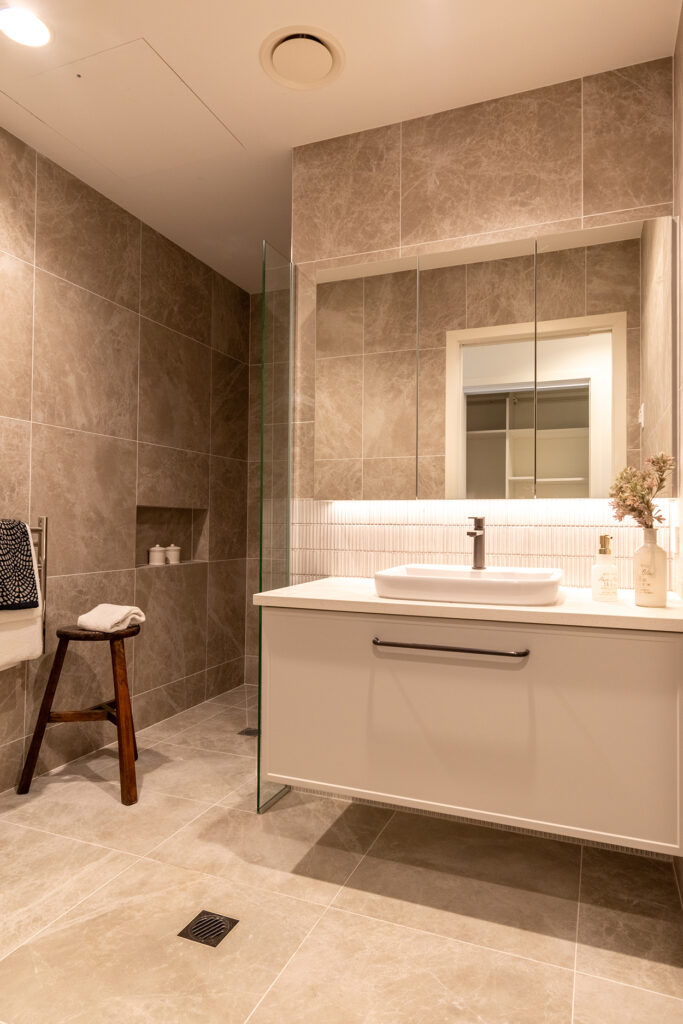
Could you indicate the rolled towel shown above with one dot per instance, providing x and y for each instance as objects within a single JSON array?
[{"x": 109, "y": 618}]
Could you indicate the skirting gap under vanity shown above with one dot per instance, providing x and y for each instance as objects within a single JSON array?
[{"x": 562, "y": 718}]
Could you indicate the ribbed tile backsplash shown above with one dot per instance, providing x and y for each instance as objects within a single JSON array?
[{"x": 357, "y": 538}]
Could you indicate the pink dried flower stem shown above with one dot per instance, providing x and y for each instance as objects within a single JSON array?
[{"x": 633, "y": 490}]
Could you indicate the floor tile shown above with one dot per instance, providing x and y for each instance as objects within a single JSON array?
[
  {"x": 605, "y": 1002},
  {"x": 117, "y": 956},
  {"x": 351, "y": 970},
  {"x": 206, "y": 775},
  {"x": 303, "y": 846},
  {"x": 220, "y": 732},
  {"x": 511, "y": 892},
  {"x": 240, "y": 697},
  {"x": 630, "y": 921},
  {"x": 42, "y": 876},
  {"x": 170, "y": 727},
  {"x": 74, "y": 801}
]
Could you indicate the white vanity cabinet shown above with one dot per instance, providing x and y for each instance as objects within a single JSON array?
[{"x": 580, "y": 737}]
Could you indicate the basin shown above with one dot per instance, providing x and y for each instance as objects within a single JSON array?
[{"x": 498, "y": 585}]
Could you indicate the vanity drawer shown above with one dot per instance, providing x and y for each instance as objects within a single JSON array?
[{"x": 579, "y": 737}]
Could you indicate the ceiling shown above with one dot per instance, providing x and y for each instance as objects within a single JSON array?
[{"x": 163, "y": 106}]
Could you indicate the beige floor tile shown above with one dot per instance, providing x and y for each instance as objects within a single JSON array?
[
  {"x": 515, "y": 893},
  {"x": 220, "y": 732},
  {"x": 605, "y": 1002},
  {"x": 304, "y": 846},
  {"x": 630, "y": 921},
  {"x": 75, "y": 802},
  {"x": 170, "y": 727},
  {"x": 42, "y": 876},
  {"x": 206, "y": 775},
  {"x": 352, "y": 970},
  {"x": 117, "y": 956}
]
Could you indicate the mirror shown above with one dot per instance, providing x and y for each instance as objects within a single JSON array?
[{"x": 520, "y": 369}]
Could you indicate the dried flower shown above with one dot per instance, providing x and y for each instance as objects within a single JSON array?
[{"x": 633, "y": 490}]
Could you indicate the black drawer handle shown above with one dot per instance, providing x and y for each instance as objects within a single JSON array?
[{"x": 451, "y": 650}]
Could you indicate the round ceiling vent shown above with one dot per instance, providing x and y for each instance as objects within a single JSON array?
[{"x": 301, "y": 57}]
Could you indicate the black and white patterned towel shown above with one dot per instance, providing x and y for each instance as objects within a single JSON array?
[{"x": 18, "y": 584}]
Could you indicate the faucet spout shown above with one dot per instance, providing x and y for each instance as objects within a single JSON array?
[{"x": 479, "y": 535}]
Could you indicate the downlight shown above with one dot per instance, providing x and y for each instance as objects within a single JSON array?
[
  {"x": 301, "y": 58},
  {"x": 23, "y": 27}
]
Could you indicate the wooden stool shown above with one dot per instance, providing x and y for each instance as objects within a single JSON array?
[{"x": 117, "y": 711}]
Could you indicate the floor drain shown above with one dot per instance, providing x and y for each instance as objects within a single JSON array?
[
  {"x": 249, "y": 731},
  {"x": 208, "y": 928}
]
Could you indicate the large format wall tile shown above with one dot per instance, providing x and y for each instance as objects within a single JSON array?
[
  {"x": 431, "y": 408},
  {"x": 85, "y": 367},
  {"x": 84, "y": 237},
  {"x": 613, "y": 279},
  {"x": 228, "y": 511},
  {"x": 12, "y": 690},
  {"x": 85, "y": 483},
  {"x": 227, "y": 582},
  {"x": 390, "y": 312},
  {"x": 338, "y": 407},
  {"x": 152, "y": 706},
  {"x": 389, "y": 405},
  {"x": 339, "y": 318},
  {"x": 346, "y": 194},
  {"x": 172, "y": 643},
  {"x": 15, "y": 467},
  {"x": 498, "y": 164},
  {"x": 18, "y": 191},
  {"x": 561, "y": 284},
  {"x": 229, "y": 318},
  {"x": 171, "y": 477},
  {"x": 385, "y": 479},
  {"x": 175, "y": 287},
  {"x": 627, "y": 137},
  {"x": 338, "y": 479},
  {"x": 175, "y": 386},
  {"x": 500, "y": 292},
  {"x": 229, "y": 406},
  {"x": 441, "y": 304},
  {"x": 16, "y": 336}
]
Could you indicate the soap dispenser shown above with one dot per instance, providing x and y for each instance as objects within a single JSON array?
[{"x": 604, "y": 572}]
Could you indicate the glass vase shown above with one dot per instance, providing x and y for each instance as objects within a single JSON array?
[{"x": 650, "y": 572}]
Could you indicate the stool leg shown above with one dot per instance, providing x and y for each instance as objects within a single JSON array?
[
  {"x": 124, "y": 724},
  {"x": 43, "y": 717}
]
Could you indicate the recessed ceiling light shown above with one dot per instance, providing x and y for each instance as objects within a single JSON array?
[
  {"x": 23, "y": 27},
  {"x": 301, "y": 57}
]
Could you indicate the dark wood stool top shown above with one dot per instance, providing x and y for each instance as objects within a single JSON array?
[{"x": 76, "y": 633}]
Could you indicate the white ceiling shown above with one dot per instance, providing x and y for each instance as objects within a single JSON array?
[{"x": 173, "y": 117}]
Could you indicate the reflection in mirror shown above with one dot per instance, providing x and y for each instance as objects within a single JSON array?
[{"x": 366, "y": 381}]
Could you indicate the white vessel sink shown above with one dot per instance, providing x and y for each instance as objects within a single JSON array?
[{"x": 471, "y": 586}]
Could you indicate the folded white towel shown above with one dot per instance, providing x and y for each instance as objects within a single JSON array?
[
  {"x": 21, "y": 631},
  {"x": 108, "y": 618}
]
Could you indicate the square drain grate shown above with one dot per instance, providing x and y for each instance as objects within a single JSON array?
[{"x": 208, "y": 928}]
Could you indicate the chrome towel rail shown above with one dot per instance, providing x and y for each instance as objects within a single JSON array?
[{"x": 39, "y": 534}]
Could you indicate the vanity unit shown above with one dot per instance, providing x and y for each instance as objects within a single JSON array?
[{"x": 564, "y": 719}]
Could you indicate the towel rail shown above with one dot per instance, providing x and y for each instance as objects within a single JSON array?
[{"x": 41, "y": 557}]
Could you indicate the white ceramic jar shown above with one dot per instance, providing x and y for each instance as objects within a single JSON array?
[{"x": 156, "y": 555}]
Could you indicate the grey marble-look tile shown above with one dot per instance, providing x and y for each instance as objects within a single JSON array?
[
  {"x": 12, "y": 701},
  {"x": 627, "y": 137},
  {"x": 561, "y": 284},
  {"x": 390, "y": 304},
  {"x": 18, "y": 189},
  {"x": 86, "y": 238},
  {"x": 226, "y": 596},
  {"x": 15, "y": 467},
  {"x": 431, "y": 398},
  {"x": 172, "y": 478},
  {"x": 155, "y": 706},
  {"x": 228, "y": 510},
  {"x": 603, "y": 1002},
  {"x": 229, "y": 318},
  {"x": 385, "y": 479},
  {"x": 613, "y": 279},
  {"x": 500, "y": 292},
  {"x": 221, "y": 732},
  {"x": 431, "y": 477},
  {"x": 442, "y": 299},
  {"x": 11, "y": 763},
  {"x": 224, "y": 677},
  {"x": 302, "y": 460},
  {"x": 175, "y": 389},
  {"x": 96, "y": 532},
  {"x": 339, "y": 318},
  {"x": 175, "y": 287},
  {"x": 229, "y": 407},
  {"x": 338, "y": 479},
  {"x": 389, "y": 405},
  {"x": 85, "y": 372},
  {"x": 16, "y": 336},
  {"x": 338, "y": 407}
]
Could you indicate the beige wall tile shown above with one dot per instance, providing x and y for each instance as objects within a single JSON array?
[
  {"x": 389, "y": 405},
  {"x": 338, "y": 407},
  {"x": 228, "y": 511},
  {"x": 11, "y": 763},
  {"x": 221, "y": 678},
  {"x": 15, "y": 465},
  {"x": 385, "y": 479},
  {"x": 16, "y": 336},
  {"x": 252, "y": 612},
  {"x": 561, "y": 284},
  {"x": 84, "y": 237},
  {"x": 303, "y": 403},
  {"x": 492, "y": 165},
  {"x": 12, "y": 694},
  {"x": 390, "y": 312},
  {"x": 355, "y": 180},
  {"x": 442, "y": 296},
  {"x": 168, "y": 476},
  {"x": 500, "y": 292},
  {"x": 255, "y": 328},
  {"x": 85, "y": 371},
  {"x": 338, "y": 480},
  {"x": 164, "y": 701},
  {"x": 18, "y": 191},
  {"x": 613, "y": 279},
  {"x": 229, "y": 407},
  {"x": 627, "y": 137},
  {"x": 302, "y": 460},
  {"x": 431, "y": 477},
  {"x": 229, "y": 318},
  {"x": 172, "y": 644},
  {"x": 339, "y": 318},
  {"x": 175, "y": 287},
  {"x": 431, "y": 407},
  {"x": 85, "y": 483},
  {"x": 226, "y": 597},
  {"x": 175, "y": 387},
  {"x": 253, "y": 508}
]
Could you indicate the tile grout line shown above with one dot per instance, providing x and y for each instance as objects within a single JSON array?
[
  {"x": 367, "y": 852},
  {"x": 576, "y": 934}
]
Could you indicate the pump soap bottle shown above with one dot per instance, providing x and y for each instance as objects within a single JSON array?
[{"x": 604, "y": 573}]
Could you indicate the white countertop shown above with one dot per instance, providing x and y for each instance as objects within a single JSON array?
[{"x": 575, "y": 607}]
